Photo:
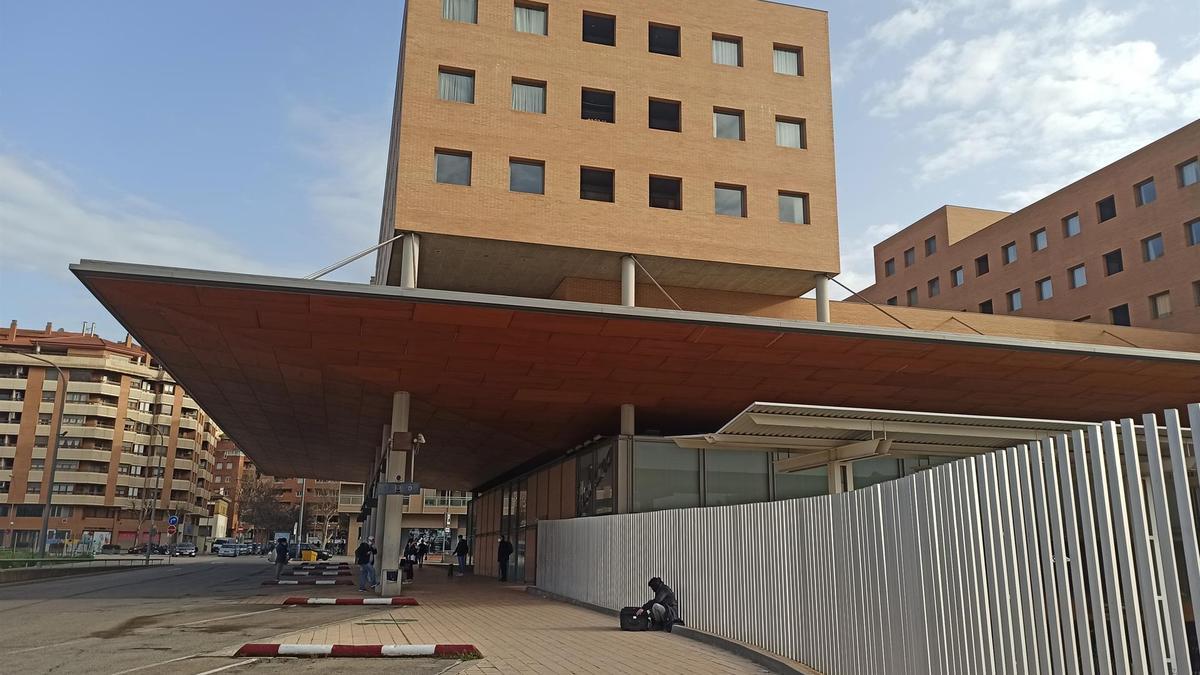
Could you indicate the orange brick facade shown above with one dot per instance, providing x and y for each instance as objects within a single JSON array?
[{"x": 964, "y": 235}]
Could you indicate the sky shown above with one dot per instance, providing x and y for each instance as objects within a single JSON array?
[{"x": 252, "y": 136}]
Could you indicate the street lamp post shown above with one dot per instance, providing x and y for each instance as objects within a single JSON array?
[{"x": 12, "y": 534}]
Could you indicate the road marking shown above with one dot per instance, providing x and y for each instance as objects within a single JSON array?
[
  {"x": 232, "y": 665},
  {"x": 231, "y": 616},
  {"x": 155, "y": 665},
  {"x": 56, "y": 644}
]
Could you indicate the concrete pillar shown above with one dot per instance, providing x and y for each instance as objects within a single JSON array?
[
  {"x": 410, "y": 258},
  {"x": 624, "y": 460},
  {"x": 391, "y": 507},
  {"x": 823, "y": 298},
  {"x": 628, "y": 282}
]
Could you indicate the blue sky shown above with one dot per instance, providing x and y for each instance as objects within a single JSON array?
[{"x": 252, "y": 136}]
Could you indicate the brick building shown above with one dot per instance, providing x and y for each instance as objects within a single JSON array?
[
  {"x": 1120, "y": 246},
  {"x": 134, "y": 447}
]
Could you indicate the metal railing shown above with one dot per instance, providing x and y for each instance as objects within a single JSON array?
[
  {"x": 1061, "y": 555},
  {"x": 452, "y": 502}
]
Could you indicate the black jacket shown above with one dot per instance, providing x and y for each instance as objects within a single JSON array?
[
  {"x": 663, "y": 595},
  {"x": 504, "y": 550},
  {"x": 281, "y": 552},
  {"x": 362, "y": 554},
  {"x": 462, "y": 548}
]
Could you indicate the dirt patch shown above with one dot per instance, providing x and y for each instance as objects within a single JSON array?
[{"x": 126, "y": 627}]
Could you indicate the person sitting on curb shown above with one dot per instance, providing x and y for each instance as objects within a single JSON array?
[{"x": 663, "y": 607}]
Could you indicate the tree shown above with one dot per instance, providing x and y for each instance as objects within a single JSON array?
[
  {"x": 259, "y": 508},
  {"x": 325, "y": 511}
]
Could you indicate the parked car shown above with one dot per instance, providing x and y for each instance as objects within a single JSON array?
[
  {"x": 140, "y": 549},
  {"x": 229, "y": 550},
  {"x": 218, "y": 543},
  {"x": 187, "y": 549}
]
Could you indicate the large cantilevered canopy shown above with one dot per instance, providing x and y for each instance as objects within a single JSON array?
[{"x": 301, "y": 373}]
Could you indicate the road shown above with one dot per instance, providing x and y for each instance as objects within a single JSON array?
[{"x": 166, "y": 620}]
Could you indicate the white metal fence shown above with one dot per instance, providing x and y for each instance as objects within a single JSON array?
[{"x": 1048, "y": 557}]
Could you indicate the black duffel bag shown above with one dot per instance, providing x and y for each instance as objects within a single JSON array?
[{"x": 631, "y": 621}]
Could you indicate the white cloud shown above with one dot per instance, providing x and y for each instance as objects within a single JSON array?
[
  {"x": 1058, "y": 95},
  {"x": 46, "y": 224},
  {"x": 901, "y": 27},
  {"x": 348, "y": 191},
  {"x": 858, "y": 258}
]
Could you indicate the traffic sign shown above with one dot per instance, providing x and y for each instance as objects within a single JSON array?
[
  {"x": 171, "y": 529},
  {"x": 173, "y": 520}
]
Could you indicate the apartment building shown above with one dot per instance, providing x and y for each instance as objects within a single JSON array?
[
  {"x": 571, "y": 135},
  {"x": 134, "y": 447},
  {"x": 1120, "y": 246},
  {"x": 231, "y": 470}
]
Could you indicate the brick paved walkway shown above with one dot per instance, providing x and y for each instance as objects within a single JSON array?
[{"x": 516, "y": 632}]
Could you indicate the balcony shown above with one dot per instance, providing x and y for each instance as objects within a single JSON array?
[
  {"x": 12, "y": 406},
  {"x": 441, "y": 502},
  {"x": 185, "y": 423},
  {"x": 89, "y": 477},
  {"x": 10, "y": 429},
  {"x": 94, "y": 408},
  {"x": 106, "y": 388},
  {"x": 78, "y": 500},
  {"x": 88, "y": 454},
  {"x": 95, "y": 431},
  {"x": 12, "y": 383}
]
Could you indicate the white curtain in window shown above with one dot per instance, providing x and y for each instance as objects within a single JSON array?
[
  {"x": 530, "y": 20},
  {"x": 459, "y": 10},
  {"x": 789, "y": 134},
  {"x": 787, "y": 62},
  {"x": 725, "y": 52},
  {"x": 529, "y": 97},
  {"x": 456, "y": 87}
]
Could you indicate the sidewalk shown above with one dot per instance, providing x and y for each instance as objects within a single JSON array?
[{"x": 516, "y": 632}]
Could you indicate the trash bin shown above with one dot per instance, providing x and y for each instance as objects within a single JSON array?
[{"x": 308, "y": 556}]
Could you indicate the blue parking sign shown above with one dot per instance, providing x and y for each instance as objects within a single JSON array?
[{"x": 173, "y": 520}]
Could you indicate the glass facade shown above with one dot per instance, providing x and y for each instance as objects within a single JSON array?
[
  {"x": 735, "y": 477},
  {"x": 665, "y": 476}
]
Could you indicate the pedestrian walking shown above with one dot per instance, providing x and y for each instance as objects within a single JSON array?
[
  {"x": 503, "y": 552},
  {"x": 422, "y": 551},
  {"x": 364, "y": 557},
  {"x": 461, "y": 552},
  {"x": 281, "y": 556}
]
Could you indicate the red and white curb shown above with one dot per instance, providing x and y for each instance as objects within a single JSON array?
[
  {"x": 308, "y": 582},
  {"x": 317, "y": 574},
  {"x": 435, "y": 651},
  {"x": 407, "y": 602}
]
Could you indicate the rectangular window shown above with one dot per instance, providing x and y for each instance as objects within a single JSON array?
[
  {"x": 790, "y": 133},
  {"x": 981, "y": 265},
  {"x": 957, "y": 277},
  {"x": 934, "y": 286},
  {"x": 735, "y": 477},
  {"x": 1196, "y": 292},
  {"x": 1038, "y": 240},
  {"x": 460, "y": 10},
  {"x": 530, "y": 18},
  {"x": 599, "y": 105},
  {"x": 1192, "y": 230},
  {"x": 911, "y": 297},
  {"x": 664, "y": 39},
  {"x": 1071, "y": 225},
  {"x": 1189, "y": 172},
  {"x": 730, "y": 200},
  {"x": 1144, "y": 192},
  {"x": 985, "y": 307},
  {"x": 1008, "y": 253},
  {"x": 1153, "y": 248},
  {"x": 889, "y": 267},
  {"x": 789, "y": 60},
  {"x": 1077, "y": 276},
  {"x": 1160, "y": 305},
  {"x": 596, "y": 184},
  {"x": 727, "y": 50},
  {"x": 529, "y": 96},
  {"x": 728, "y": 124},
  {"x": 910, "y": 257},
  {"x": 600, "y": 29},
  {"x": 1106, "y": 209},
  {"x": 33, "y": 488},
  {"x": 665, "y": 476},
  {"x": 453, "y": 167},
  {"x": 526, "y": 175},
  {"x": 930, "y": 246},
  {"x": 456, "y": 85},
  {"x": 1113, "y": 263},
  {"x": 893, "y": 300},
  {"x": 1045, "y": 288},
  {"x": 1014, "y": 300},
  {"x": 665, "y": 115},
  {"x": 1120, "y": 315},
  {"x": 793, "y": 208},
  {"x": 666, "y": 192}
]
